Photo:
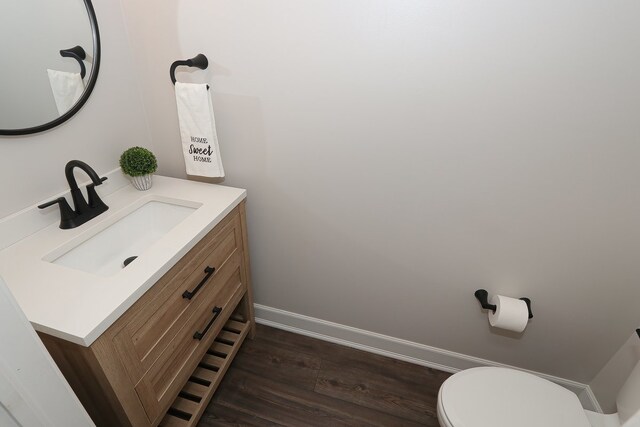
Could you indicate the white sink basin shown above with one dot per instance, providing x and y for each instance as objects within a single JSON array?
[{"x": 103, "y": 254}]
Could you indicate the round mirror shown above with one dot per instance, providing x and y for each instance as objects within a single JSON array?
[{"x": 50, "y": 54}]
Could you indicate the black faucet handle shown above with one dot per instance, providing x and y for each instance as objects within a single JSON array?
[
  {"x": 94, "y": 201},
  {"x": 52, "y": 202},
  {"x": 93, "y": 185},
  {"x": 67, "y": 215}
]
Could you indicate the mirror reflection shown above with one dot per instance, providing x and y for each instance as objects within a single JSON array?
[{"x": 47, "y": 53}]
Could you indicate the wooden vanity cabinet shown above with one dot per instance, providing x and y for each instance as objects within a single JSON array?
[{"x": 161, "y": 361}]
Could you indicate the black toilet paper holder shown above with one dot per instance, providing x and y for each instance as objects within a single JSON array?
[{"x": 483, "y": 297}]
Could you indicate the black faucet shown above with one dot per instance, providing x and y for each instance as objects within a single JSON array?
[{"x": 83, "y": 210}]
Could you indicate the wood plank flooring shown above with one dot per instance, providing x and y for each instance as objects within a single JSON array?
[{"x": 285, "y": 379}]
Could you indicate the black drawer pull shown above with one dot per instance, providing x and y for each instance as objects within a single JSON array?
[
  {"x": 191, "y": 294},
  {"x": 216, "y": 312}
]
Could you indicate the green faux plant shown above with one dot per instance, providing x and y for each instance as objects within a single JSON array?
[{"x": 138, "y": 161}]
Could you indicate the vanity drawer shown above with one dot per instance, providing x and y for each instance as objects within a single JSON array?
[
  {"x": 167, "y": 375},
  {"x": 161, "y": 313}
]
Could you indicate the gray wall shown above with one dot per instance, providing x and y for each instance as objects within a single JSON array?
[
  {"x": 32, "y": 167},
  {"x": 400, "y": 155}
]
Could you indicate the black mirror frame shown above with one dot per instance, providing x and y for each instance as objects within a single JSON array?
[{"x": 87, "y": 92}]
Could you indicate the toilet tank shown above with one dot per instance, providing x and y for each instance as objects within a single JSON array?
[{"x": 628, "y": 401}]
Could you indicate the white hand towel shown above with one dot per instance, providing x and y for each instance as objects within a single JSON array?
[
  {"x": 198, "y": 130},
  {"x": 67, "y": 89}
]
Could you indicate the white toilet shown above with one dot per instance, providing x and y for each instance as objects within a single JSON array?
[{"x": 502, "y": 397}]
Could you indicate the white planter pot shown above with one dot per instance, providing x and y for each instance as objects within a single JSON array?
[{"x": 141, "y": 183}]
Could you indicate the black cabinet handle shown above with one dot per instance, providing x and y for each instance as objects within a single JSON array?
[
  {"x": 191, "y": 294},
  {"x": 216, "y": 312}
]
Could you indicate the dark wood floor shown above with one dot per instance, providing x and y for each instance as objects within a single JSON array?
[{"x": 285, "y": 379}]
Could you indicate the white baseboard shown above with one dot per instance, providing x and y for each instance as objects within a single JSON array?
[{"x": 412, "y": 352}]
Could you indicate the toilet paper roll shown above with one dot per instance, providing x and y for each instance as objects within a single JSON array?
[{"x": 511, "y": 314}]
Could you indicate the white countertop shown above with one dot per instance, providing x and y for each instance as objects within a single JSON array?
[{"x": 79, "y": 306}]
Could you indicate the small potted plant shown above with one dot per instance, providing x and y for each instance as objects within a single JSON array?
[{"x": 139, "y": 163}]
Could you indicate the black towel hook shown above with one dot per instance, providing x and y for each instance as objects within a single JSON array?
[
  {"x": 198, "y": 61},
  {"x": 77, "y": 53}
]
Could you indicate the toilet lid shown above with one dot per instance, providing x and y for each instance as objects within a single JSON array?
[{"x": 501, "y": 397}]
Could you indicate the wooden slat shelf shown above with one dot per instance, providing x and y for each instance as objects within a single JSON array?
[{"x": 196, "y": 394}]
